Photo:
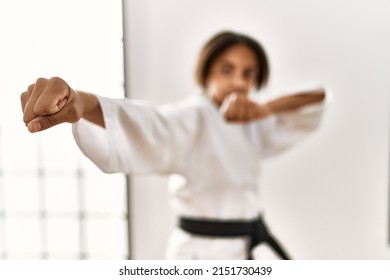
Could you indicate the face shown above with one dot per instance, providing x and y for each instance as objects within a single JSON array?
[{"x": 234, "y": 71}]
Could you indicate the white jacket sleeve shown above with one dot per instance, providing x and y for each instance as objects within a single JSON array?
[
  {"x": 139, "y": 138},
  {"x": 280, "y": 132}
]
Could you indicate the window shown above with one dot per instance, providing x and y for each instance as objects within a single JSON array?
[{"x": 54, "y": 203}]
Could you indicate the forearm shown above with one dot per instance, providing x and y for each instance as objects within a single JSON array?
[
  {"x": 92, "y": 110},
  {"x": 295, "y": 101}
]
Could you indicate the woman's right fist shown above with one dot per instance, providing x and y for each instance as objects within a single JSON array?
[{"x": 49, "y": 102}]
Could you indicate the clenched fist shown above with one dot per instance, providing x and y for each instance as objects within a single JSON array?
[
  {"x": 49, "y": 102},
  {"x": 239, "y": 108}
]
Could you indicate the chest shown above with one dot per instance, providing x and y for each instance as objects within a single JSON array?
[{"x": 225, "y": 149}]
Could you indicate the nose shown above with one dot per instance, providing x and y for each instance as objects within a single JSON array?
[
  {"x": 239, "y": 83},
  {"x": 238, "y": 80}
]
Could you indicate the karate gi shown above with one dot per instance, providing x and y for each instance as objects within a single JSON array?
[{"x": 214, "y": 164}]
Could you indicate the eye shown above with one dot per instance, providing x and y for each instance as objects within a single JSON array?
[
  {"x": 226, "y": 69},
  {"x": 250, "y": 75}
]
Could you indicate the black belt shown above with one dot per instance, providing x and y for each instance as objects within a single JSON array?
[{"x": 256, "y": 230}]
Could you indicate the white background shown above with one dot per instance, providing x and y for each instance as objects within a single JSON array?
[{"x": 325, "y": 199}]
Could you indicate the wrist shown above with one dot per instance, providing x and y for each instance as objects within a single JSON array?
[
  {"x": 86, "y": 102},
  {"x": 91, "y": 109},
  {"x": 268, "y": 109},
  {"x": 264, "y": 111}
]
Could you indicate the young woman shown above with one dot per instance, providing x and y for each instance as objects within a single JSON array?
[{"x": 212, "y": 142}]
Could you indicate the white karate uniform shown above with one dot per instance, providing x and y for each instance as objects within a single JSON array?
[{"x": 215, "y": 164}]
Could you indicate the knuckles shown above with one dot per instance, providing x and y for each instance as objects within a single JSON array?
[
  {"x": 53, "y": 84},
  {"x": 56, "y": 81},
  {"x": 41, "y": 81},
  {"x": 30, "y": 88},
  {"x": 23, "y": 98}
]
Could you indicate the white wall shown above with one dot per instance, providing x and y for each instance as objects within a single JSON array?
[{"x": 331, "y": 201}]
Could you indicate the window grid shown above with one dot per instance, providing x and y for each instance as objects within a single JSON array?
[
  {"x": 3, "y": 253},
  {"x": 81, "y": 216},
  {"x": 42, "y": 202},
  {"x": 43, "y": 215}
]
